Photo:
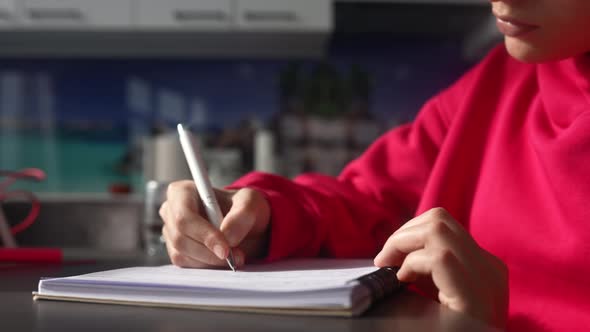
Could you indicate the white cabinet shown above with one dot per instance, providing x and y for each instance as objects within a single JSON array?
[
  {"x": 76, "y": 14},
  {"x": 8, "y": 14},
  {"x": 291, "y": 15},
  {"x": 243, "y": 15},
  {"x": 185, "y": 14},
  {"x": 208, "y": 28}
]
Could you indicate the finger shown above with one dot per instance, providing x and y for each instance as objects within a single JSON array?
[
  {"x": 222, "y": 194},
  {"x": 181, "y": 200},
  {"x": 447, "y": 273},
  {"x": 241, "y": 217},
  {"x": 176, "y": 257},
  {"x": 239, "y": 256},
  {"x": 432, "y": 223},
  {"x": 181, "y": 260},
  {"x": 183, "y": 195},
  {"x": 400, "y": 244},
  {"x": 412, "y": 238},
  {"x": 434, "y": 214},
  {"x": 201, "y": 231},
  {"x": 389, "y": 254},
  {"x": 186, "y": 220},
  {"x": 163, "y": 211},
  {"x": 436, "y": 235},
  {"x": 189, "y": 248}
]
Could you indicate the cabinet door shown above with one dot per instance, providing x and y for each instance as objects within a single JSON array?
[
  {"x": 59, "y": 14},
  {"x": 298, "y": 15},
  {"x": 185, "y": 14},
  {"x": 8, "y": 14}
]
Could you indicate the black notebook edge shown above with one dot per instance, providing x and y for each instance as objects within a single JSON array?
[{"x": 381, "y": 283}]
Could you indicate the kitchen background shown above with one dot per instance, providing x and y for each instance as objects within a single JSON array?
[{"x": 88, "y": 121}]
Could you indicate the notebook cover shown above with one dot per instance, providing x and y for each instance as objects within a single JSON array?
[{"x": 360, "y": 307}]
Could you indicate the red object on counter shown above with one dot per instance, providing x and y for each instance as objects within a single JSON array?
[
  {"x": 120, "y": 188},
  {"x": 11, "y": 176},
  {"x": 31, "y": 255}
]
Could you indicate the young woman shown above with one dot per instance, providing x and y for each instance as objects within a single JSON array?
[{"x": 495, "y": 169}]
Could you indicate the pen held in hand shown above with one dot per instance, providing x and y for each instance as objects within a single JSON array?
[{"x": 196, "y": 165}]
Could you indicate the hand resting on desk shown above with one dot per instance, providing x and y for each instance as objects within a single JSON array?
[{"x": 435, "y": 248}]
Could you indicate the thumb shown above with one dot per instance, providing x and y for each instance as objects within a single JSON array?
[{"x": 240, "y": 219}]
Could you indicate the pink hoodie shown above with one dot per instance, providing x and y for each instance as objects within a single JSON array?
[{"x": 506, "y": 150}]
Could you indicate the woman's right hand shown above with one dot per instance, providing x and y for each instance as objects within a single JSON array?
[{"x": 192, "y": 241}]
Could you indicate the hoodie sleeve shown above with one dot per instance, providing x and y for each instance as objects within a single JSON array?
[{"x": 352, "y": 215}]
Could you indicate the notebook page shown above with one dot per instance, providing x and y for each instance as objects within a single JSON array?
[{"x": 287, "y": 276}]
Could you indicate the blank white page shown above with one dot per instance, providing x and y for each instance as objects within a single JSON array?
[{"x": 285, "y": 276}]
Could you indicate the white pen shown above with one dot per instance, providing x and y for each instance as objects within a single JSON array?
[{"x": 196, "y": 165}]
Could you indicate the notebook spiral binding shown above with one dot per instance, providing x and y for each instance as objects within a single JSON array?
[{"x": 381, "y": 282}]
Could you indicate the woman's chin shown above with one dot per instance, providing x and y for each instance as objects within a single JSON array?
[
  {"x": 529, "y": 52},
  {"x": 525, "y": 52}
]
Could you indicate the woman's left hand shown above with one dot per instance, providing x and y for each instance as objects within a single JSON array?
[{"x": 435, "y": 247}]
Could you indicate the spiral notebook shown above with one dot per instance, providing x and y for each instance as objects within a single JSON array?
[{"x": 311, "y": 286}]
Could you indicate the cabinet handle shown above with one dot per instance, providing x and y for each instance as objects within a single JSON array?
[
  {"x": 71, "y": 14},
  {"x": 193, "y": 15},
  {"x": 271, "y": 16}
]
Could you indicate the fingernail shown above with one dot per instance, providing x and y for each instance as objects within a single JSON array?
[{"x": 219, "y": 251}]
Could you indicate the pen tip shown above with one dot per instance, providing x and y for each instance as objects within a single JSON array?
[
  {"x": 231, "y": 265},
  {"x": 230, "y": 261}
]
